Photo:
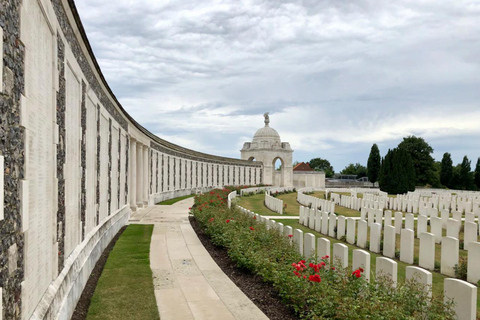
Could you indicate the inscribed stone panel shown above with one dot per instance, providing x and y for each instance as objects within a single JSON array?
[
  {"x": 114, "y": 180},
  {"x": 104, "y": 132},
  {"x": 91, "y": 161},
  {"x": 40, "y": 165},
  {"x": 72, "y": 167}
]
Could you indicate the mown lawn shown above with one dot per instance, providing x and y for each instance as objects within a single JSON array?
[
  {"x": 174, "y": 200},
  {"x": 125, "y": 288}
]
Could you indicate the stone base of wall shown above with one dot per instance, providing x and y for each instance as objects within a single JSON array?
[
  {"x": 62, "y": 295},
  {"x": 159, "y": 197}
]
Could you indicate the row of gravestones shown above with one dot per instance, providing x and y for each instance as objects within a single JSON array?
[
  {"x": 274, "y": 204},
  {"x": 411, "y": 203},
  {"x": 314, "y": 202},
  {"x": 356, "y": 233},
  {"x": 461, "y": 292}
]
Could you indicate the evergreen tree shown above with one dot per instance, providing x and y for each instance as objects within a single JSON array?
[
  {"x": 465, "y": 174},
  {"x": 397, "y": 174},
  {"x": 477, "y": 174},
  {"x": 373, "y": 164},
  {"x": 446, "y": 170},
  {"x": 420, "y": 151}
]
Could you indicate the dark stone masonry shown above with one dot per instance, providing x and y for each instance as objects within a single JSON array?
[{"x": 61, "y": 153}]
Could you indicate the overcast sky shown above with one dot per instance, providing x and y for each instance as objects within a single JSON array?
[{"x": 336, "y": 76}]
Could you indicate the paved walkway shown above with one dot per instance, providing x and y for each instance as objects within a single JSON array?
[{"x": 188, "y": 283}]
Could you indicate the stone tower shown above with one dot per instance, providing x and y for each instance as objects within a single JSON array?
[{"x": 267, "y": 147}]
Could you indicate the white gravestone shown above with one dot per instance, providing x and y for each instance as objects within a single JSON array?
[
  {"x": 332, "y": 223},
  {"x": 351, "y": 226},
  {"x": 361, "y": 259},
  {"x": 464, "y": 296},
  {"x": 389, "y": 236},
  {"x": 325, "y": 223},
  {"x": 375, "y": 237},
  {"x": 421, "y": 276},
  {"x": 388, "y": 218},
  {"x": 340, "y": 255},
  {"x": 323, "y": 248},
  {"x": 427, "y": 251},
  {"x": 318, "y": 221},
  {"x": 406, "y": 246},
  {"x": 470, "y": 234},
  {"x": 340, "y": 227},
  {"x": 452, "y": 229},
  {"x": 398, "y": 222},
  {"x": 362, "y": 233},
  {"x": 450, "y": 255},
  {"x": 422, "y": 223},
  {"x": 409, "y": 222},
  {"x": 298, "y": 240},
  {"x": 388, "y": 268},
  {"x": 308, "y": 245},
  {"x": 473, "y": 270},
  {"x": 436, "y": 229}
]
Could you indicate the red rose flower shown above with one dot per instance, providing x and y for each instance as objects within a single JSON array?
[
  {"x": 251, "y": 228},
  {"x": 228, "y": 220},
  {"x": 211, "y": 219},
  {"x": 290, "y": 235}
]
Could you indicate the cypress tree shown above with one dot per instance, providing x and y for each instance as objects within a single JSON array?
[
  {"x": 397, "y": 174},
  {"x": 373, "y": 164},
  {"x": 446, "y": 170},
  {"x": 465, "y": 174}
]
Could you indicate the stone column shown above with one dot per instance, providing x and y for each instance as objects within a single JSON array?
[
  {"x": 146, "y": 176},
  {"x": 139, "y": 174},
  {"x": 133, "y": 173}
]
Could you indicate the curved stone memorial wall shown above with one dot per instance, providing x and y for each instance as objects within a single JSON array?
[{"x": 74, "y": 162}]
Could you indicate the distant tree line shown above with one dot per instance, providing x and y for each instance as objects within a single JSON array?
[{"x": 408, "y": 165}]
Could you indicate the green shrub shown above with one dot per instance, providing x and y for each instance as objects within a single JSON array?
[
  {"x": 340, "y": 294},
  {"x": 461, "y": 268}
]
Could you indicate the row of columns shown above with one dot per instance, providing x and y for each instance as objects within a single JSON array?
[
  {"x": 138, "y": 174},
  {"x": 139, "y": 179}
]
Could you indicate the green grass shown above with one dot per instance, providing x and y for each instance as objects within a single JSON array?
[
  {"x": 125, "y": 288},
  {"x": 174, "y": 200}
]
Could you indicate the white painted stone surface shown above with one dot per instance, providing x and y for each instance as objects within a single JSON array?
[
  {"x": 470, "y": 234},
  {"x": 473, "y": 271},
  {"x": 361, "y": 259},
  {"x": 389, "y": 235},
  {"x": 450, "y": 256},
  {"x": 351, "y": 226},
  {"x": 323, "y": 248},
  {"x": 406, "y": 246},
  {"x": 452, "y": 229},
  {"x": 388, "y": 268},
  {"x": 388, "y": 218},
  {"x": 318, "y": 220},
  {"x": 464, "y": 295},
  {"x": 340, "y": 227},
  {"x": 325, "y": 223},
  {"x": 340, "y": 254},
  {"x": 427, "y": 251},
  {"x": 309, "y": 245},
  {"x": 332, "y": 223},
  {"x": 398, "y": 222},
  {"x": 362, "y": 233},
  {"x": 436, "y": 228},
  {"x": 409, "y": 222},
  {"x": 375, "y": 237},
  {"x": 298, "y": 240},
  {"x": 422, "y": 224},
  {"x": 421, "y": 276}
]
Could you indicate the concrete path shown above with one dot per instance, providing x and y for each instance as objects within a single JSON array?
[{"x": 188, "y": 283}]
